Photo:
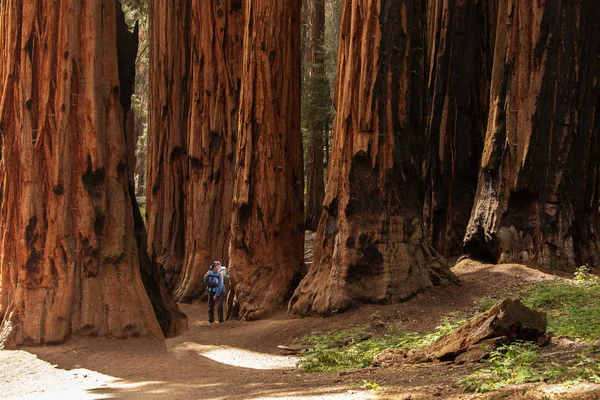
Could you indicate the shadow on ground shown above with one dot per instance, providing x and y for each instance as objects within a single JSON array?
[{"x": 240, "y": 360}]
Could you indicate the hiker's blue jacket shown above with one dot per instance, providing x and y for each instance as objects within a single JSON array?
[{"x": 219, "y": 289}]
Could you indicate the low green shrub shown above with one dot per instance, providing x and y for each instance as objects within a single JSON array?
[
  {"x": 520, "y": 362},
  {"x": 361, "y": 354},
  {"x": 509, "y": 364},
  {"x": 572, "y": 307},
  {"x": 365, "y": 384}
]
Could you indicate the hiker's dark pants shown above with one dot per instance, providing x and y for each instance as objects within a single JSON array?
[{"x": 211, "y": 306}]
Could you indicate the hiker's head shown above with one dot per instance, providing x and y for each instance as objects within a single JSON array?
[{"x": 215, "y": 266}]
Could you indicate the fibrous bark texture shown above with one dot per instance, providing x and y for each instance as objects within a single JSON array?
[
  {"x": 217, "y": 30},
  {"x": 266, "y": 250},
  {"x": 537, "y": 197},
  {"x": 370, "y": 246},
  {"x": 172, "y": 321},
  {"x": 316, "y": 115},
  {"x": 460, "y": 53},
  {"x": 166, "y": 158},
  {"x": 70, "y": 262}
]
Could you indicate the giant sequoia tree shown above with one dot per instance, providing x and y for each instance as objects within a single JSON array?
[
  {"x": 537, "y": 198},
  {"x": 370, "y": 246},
  {"x": 460, "y": 53},
  {"x": 266, "y": 250},
  {"x": 69, "y": 258},
  {"x": 166, "y": 159},
  {"x": 215, "y": 68},
  {"x": 171, "y": 320}
]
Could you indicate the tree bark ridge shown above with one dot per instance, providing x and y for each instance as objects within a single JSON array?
[
  {"x": 370, "y": 245},
  {"x": 460, "y": 51},
  {"x": 217, "y": 33},
  {"x": 70, "y": 263},
  {"x": 167, "y": 134},
  {"x": 537, "y": 197},
  {"x": 266, "y": 249}
]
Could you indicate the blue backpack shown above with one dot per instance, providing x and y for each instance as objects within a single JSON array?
[{"x": 212, "y": 281}]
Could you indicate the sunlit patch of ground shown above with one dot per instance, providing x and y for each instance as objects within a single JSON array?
[
  {"x": 239, "y": 357},
  {"x": 31, "y": 378},
  {"x": 562, "y": 391}
]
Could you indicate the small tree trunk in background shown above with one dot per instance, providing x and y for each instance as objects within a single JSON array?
[
  {"x": 217, "y": 33},
  {"x": 140, "y": 125},
  {"x": 141, "y": 117},
  {"x": 333, "y": 10},
  {"x": 141, "y": 91},
  {"x": 537, "y": 198},
  {"x": 370, "y": 246},
  {"x": 267, "y": 234},
  {"x": 70, "y": 263},
  {"x": 317, "y": 116},
  {"x": 166, "y": 157},
  {"x": 315, "y": 181},
  {"x": 460, "y": 61}
]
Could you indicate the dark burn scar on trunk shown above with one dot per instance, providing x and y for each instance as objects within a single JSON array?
[
  {"x": 30, "y": 235},
  {"x": 34, "y": 257},
  {"x": 92, "y": 180},
  {"x": 215, "y": 142},
  {"x": 99, "y": 219},
  {"x": 370, "y": 261},
  {"x": 176, "y": 152},
  {"x": 364, "y": 191}
]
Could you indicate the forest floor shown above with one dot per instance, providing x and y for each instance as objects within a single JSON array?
[{"x": 240, "y": 360}]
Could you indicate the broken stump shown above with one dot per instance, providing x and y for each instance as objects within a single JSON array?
[{"x": 508, "y": 320}]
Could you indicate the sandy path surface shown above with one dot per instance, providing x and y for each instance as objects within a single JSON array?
[
  {"x": 208, "y": 362},
  {"x": 240, "y": 360}
]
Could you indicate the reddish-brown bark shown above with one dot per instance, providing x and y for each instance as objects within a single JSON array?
[
  {"x": 168, "y": 120},
  {"x": 460, "y": 53},
  {"x": 370, "y": 246},
  {"x": 70, "y": 263},
  {"x": 217, "y": 30},
  {"x": 537, "y": 197},
  {"x": 266, "y": 250},
  {"x": 172, "y": 321}
]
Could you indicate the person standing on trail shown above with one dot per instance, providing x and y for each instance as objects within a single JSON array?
[{"x": 216, "y": 291}]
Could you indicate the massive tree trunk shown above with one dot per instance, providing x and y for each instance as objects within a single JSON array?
[
  {"x": 316, "y": 116},
  {"x": 166, "y": 158},
  {"x": 370, "y": 246},
  {"x": 267, "y": 235},
  {"x": 217, "y": 32},
  {"x": 70, "y": 262},
  {"x": 460, "y": 49},
  {"x": 172, "y": 321},
  {"x": 537, "y": 198}
]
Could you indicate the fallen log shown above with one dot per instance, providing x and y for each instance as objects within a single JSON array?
[{"x": 508, "y": 320}]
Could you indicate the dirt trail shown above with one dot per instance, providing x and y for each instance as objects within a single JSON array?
[{"x": 240, "y": 360}]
